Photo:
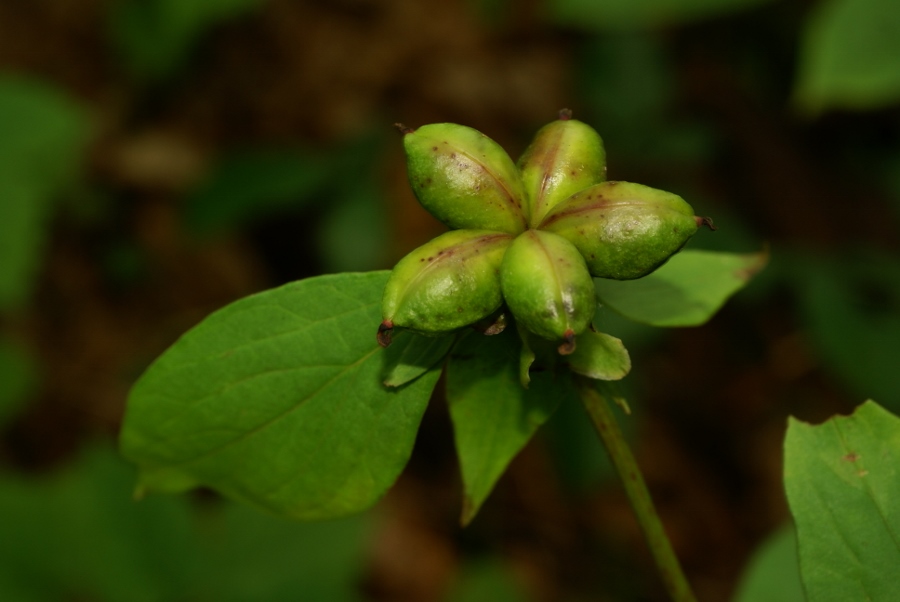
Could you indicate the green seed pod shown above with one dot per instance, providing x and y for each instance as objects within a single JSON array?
[
  {"x": 547, "y": 287},
  {"x": 464, "y": 178},
  {"x": 447, "y": 283},
  {"x": 624, "y": 230},
  {"x": 566, "y": 156}
]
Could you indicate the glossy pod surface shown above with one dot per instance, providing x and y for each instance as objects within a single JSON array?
[
  {"x": 566, "y": 156},
  {"x": 547, "y": 287},
  {"x": 450, "y": 282},
  {"x": 464, "y": 178},
  {"x": 623, "y": 230}
]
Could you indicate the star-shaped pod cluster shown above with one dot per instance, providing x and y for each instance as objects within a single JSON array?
[{"x": 526, "y": 236}]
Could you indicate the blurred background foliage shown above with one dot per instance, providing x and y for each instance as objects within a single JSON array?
[{"x": 161, "y": 158}]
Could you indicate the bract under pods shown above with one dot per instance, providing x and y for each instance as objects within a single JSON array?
[
  {"x": 447, "y": 283},
  {"x": 565, "y": 156},
  {"x": 547, "y": 287},
  {"x": 623, "y": 230},
  {"x": 464, "y": 178}
]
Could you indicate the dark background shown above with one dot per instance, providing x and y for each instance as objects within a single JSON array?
[{"x": 161, "y": 158}]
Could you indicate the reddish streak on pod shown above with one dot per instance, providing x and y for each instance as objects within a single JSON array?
[
  {"x": 568, "y": 345},
  {"x": 384, "y": 333}
]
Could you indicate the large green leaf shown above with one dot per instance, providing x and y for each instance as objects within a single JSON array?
[
  {"x": 773, "y": 573},
  {"x": 277, "y": 400},
  {"x": 493, "y": 415},
  {"x": 843, "y": 482},
  {"x": 686, "y": 291},
  {"x": 849, "y": 55},
  {"x": 43, "y": 133},
  {"x": 628, "y": 14}
]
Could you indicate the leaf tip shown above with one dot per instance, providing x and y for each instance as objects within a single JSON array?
[{"x": 469, "y": 510}]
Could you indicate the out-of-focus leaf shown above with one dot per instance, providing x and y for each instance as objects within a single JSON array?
[
  {"x": 43, "y": 133},
  {"x": 354, "y": 235},
  {"x": 155, "y": 37},
  {"x": 411, "y": 355},
  {"x": 277, "y": 400},
  {"x": 483, "y": 581},
  {"x": 843, "y": 483},
  {"x": 253, "y": 184},
  {"x": 79, "y": 535},
  {"x": 686, "y": 291},
  {"x": 626, "y": 82},
  {"x": 18, "y": 378},
  {"x": 773, "y": 573},
  {"x": 493, "y": 415},
  {"x": 634, "y": 14},
  {"x": 851, "y": 308},
  {"x": 849, "y": 55}
]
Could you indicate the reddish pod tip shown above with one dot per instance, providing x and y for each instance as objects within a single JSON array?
[
  {"x": 705, "y": 221},
  {"x": 567, "y": 347},
  {"x": 565, "y": 114},
  {"x": 385, "y": 329},
  {"x": 404, "y": 129}
]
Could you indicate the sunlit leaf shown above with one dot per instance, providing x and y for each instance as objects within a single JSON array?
[
  {"x": 843, "y": 482},
  {"x": 773, "y": 573},
  {"x": 43, "y": 134},
  {"x": 278, "y": 400},
  {"x": 686, "y": 291},
  {"x": 849, "y": 55},
  {"x": 493, "y": 415}
]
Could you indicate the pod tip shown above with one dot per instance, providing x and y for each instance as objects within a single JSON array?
[{"x": 385, "y": 329}]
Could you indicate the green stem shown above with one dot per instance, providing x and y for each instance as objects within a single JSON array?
[{"x": 605, "y": 422}]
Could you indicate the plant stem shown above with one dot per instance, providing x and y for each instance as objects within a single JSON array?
[{"x": 605, "y": 422}]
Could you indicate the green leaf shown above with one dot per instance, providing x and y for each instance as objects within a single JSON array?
[
  {"x": 632, "y": 14},
  {"x": 599, "y": 356},
  {"x": 43, "y": 133},
  {"x": 850, "y": 306},
  {"x": 773, "y": 573},
  {"x": 686, "y": 291},
  {"x": 277, "y": 400},
  {"x": 155, "y": 37},
  {"x": 411, "y": 355},
  {"x": 849, "y": 55},
  {"x": 843, "y": 482},
  {"x": 493, "y": 415}
]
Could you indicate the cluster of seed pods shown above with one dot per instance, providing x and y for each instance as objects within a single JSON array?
[{"x": 525, "y": 237}]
